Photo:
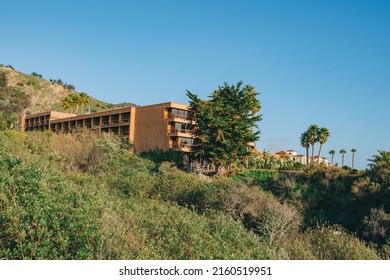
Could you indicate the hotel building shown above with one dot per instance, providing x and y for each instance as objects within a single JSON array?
[{"x": 162, "y": 125}]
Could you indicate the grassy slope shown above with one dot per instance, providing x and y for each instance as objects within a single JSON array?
[
  {"x": 43, "y": 94},
  {"x": 86, "y": 197}
]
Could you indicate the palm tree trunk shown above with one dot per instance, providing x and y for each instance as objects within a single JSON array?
[
  {"x": 332, "y": 158},
  {"x": 307, "y": 155},
  {"x": 353, "y": 160},
  {"x": 342, "y": 161},
  {"x": 312, "y": 154},
  {"x": 319, "y": 153}
]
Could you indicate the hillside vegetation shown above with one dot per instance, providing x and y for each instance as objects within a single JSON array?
[
  {"x": 87, "y": 196},
  {"x": 28, "y": 94}
]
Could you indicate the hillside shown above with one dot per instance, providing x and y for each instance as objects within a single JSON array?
[
  {"x": 21, "y": 93},
  {"x": 40, "y": 94},
  {"x": 86, "y": 196}
]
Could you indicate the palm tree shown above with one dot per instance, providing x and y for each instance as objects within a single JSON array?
[
  {"x": 84, "y": 100},
  {"x": 332, "y": 152},
  {"x": 322, "y": 136},
  {"x": 380, "y": 161},
  {"x": 312, "y": 132},
  {"x": 67, "y": 103},
  {"x": 353, "y": 151},
  {"x": 342, "y": 152},
  {"x": 305, "y": 143},
  {"x": 76, "y": 100}
]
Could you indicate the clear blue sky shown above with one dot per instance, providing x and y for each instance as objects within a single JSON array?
[{"x": 324, "y": 62}]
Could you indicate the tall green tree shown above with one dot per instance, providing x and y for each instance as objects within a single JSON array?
[
  {"x": 312, "y": 134},
  {"x": 342, "y": 152},
  {"x": 306, "y": 144},
  {"x": 332, "y": 152},
  {"x": 322, "y": 136},
  {"x": 353, "y": 151},
  {"x": 224, "y": 124}
]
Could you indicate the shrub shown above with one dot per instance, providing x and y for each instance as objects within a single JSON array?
[
  {"x": 159, "y": 156},
  {"x": 177, "y": 186},
  {"x": 132, "y": 175},
  {"x": 376, "y": 226},
  {"x": 334, "y": 243},
  {"x": 172, "y": 232},
  {"x": 44, "y": 216},
  {"x": 262, "y": 213},
  {"x": 3, "y": 80},
  {"x": 34, "y": 74},
  {"x": 257, "y": 210},
  {"x": 83, "y": 151}
]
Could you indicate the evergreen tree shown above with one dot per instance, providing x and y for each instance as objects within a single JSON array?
[{"x": 224, "y": 125}]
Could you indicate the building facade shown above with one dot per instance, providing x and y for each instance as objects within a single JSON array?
[
  {"x": 295, "y": 157},
  {"x": 162, "y": 125}
]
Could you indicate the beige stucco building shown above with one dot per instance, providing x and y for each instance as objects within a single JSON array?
[
  {"x": 146, "y": 127},
  {"x": 295, "y": 157}
]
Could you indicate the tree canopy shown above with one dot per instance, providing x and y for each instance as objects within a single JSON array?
[{"x": 224, "y": 125}]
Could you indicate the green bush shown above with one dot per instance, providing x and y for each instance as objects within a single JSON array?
[
  {"x": 131, "y": 175},
  {"x": 257, "y": 210},
  {"x": 177, "y": 186},
  {"x": 334, "y": 243},
  {"x": 159, "y": 156},
  {"x": 86, "y": 196},
  {"x": 172, "y": 232},
  {"x": 44, "y": 216}
]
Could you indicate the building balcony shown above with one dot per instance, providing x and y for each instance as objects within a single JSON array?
[
  {"x": 180, "y": 132},
  {"x": 178, "y": 118},
  {"x": 183, "y": 148},
  {"x": 127, "y": 120}
]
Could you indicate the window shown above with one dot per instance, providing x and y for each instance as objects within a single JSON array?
[
  {"x": 177, "y": 113},
  {"x": 115, "y": 118},
  {"x": 125, "y": 117},
  {"x": 105, "y": 119},
  {"x": 184, "y": 141},
  {"x": 181, "y": 127},
  {"x": 96, "y": 121}
]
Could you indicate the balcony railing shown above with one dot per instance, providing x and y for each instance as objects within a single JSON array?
[
  {"x": 125, "y": 120},
  {"x": 179, "y": 116},
  {"x": 179, "y": 130}
]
